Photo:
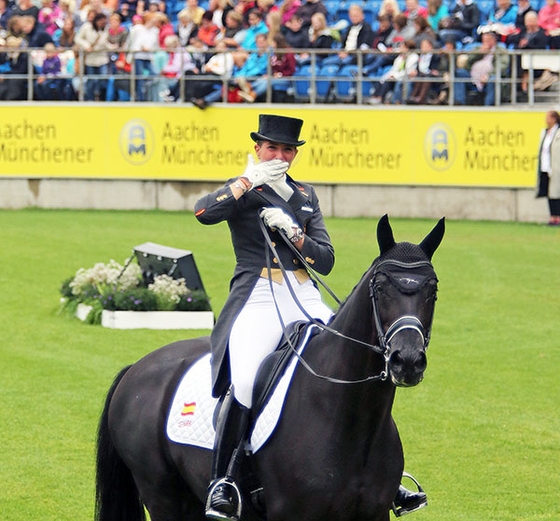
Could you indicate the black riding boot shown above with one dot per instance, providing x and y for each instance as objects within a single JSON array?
[
  {"x": 407, "y": 501},
  {"x": 223, "y": 502}
]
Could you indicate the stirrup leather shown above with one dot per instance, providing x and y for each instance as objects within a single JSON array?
[
  {"x": 212, "y": 513},
  {"x": 399, "y": 510}
]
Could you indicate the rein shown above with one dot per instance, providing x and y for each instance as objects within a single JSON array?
[{"x": 317, "y": 323}]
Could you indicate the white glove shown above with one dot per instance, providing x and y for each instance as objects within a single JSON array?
[
  {"x": 265, "y": 172},
  {"x": 282, "y": 188},
  {"x": 275, "y": 218}
]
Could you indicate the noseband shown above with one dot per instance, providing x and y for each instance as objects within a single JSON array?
[{"x": 404, "y": 322}]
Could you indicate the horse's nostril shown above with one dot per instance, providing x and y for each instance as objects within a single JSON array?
[
  {"x": 422, "y": 362},
  {"x": 396, "y": 358}
]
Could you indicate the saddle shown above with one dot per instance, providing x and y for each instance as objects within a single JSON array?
[{"x": 274, "y": 365}]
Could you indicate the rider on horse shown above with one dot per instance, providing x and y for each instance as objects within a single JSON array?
[{"x": 250, "y": 325}]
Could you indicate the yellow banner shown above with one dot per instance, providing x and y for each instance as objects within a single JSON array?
[{"x": 344, "y": 144}]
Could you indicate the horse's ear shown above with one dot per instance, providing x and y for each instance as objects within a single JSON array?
[
  {"x": 431, "y": 242},
  {"x": 385, "y": 237}
]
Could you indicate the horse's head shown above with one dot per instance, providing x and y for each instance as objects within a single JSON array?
[{"x": 403, "y": 289}]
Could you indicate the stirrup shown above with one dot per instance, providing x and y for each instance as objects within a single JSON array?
[
  {"x": 214, "y": 514},
  {"x": 400, "y": 510}
]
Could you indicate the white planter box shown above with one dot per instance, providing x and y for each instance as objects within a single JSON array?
[{"x": 157, "y": 319}]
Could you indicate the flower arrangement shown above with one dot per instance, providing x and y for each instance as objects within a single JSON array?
[{"x": 115, "y": 287}]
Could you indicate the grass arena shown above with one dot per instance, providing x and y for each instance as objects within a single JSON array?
[{"x": 481, "y": 432}]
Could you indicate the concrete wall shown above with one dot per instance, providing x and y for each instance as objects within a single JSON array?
[{"x": 500, "y": 204}]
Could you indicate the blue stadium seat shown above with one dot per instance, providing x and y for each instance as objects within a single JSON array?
[{"x": 301, "y": 83}]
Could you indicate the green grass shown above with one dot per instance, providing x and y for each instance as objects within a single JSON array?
[{"x": 482, "y": 431}]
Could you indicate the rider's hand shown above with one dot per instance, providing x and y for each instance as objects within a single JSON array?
[
  {"x": 275, "y": 218},
  {"x": 265, "y": 172}
]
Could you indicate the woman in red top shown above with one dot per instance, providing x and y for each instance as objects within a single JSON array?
[
  {"x": 208, "y": 30},
  {"x": 549, "y": 20}
]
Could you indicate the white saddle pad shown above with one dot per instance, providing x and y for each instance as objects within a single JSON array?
[{"x": 190, "y": 417}]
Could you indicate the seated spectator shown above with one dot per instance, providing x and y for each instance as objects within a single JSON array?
[
  {"x": 220, "y": 9},
  {"x": 217, "y": 70},
  {"x": 66, "y": 35},
  {"x": 244, "y": 7},
  {"x": 501, "y": 20},
  {"x": 505, "y": 13},
  {"x": 232, "y": 34},
  {"x": 533, "y": 37},
  {"x": 288, "y": 8},
  {"x": 5, "y": 13},
  {"x": 423, "y": 30},
  {"x": 463, "y": 20},
  {"x": 208, "y": 30},
  {"x": 296, "y": 34},
  {"x": 265, "y": 7},
  {"x": 549, "y": 20},
  {"x": 384, "y": 30},
  {"x": 358, "y": 36},
  {"x": 50, "y": 16},
  {"x": 15, "y": 27},
  {"x": 255, "y": 66},
  {"x": 390, "y": 8},
  {"x": 273, "y": 22},
  {"x": 308, "y": 9},
  {"x": 125, "y": 13},
  {"x": 186, "y": 28},
  {"x": 195, "y": 11},
  {"x": 13, "y": 62},
  {"x": 68, "y": 10},
  {"x": 437, "y": 11},
  {"x": 283, "y": 65},
  {"x": 480, "y": 68},
  {"x": 320, "y": 37},
  {"x": 427, "y": 68},
  {"x": 179, "y": 62},
  {"x": 403, "y": 67},
  {"x": 414, "y": 10},
  {"x": 49, "y": 84},
  {"x": 400, "y": 32},
  {"x": 256, "y": 26},
  {"x": 25, "y": 8},
  {"x": 523, "y": 7},
  {"x": 33, "y": 33}
]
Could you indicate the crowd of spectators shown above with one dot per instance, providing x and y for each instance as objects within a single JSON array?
[{"x": 403, "y": 51}]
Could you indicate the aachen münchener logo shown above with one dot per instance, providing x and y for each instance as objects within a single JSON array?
[
  {"x": 440, "y": 147},
  {"x": 136, "y": 141}
]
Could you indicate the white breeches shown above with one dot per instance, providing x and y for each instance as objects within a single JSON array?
[{"x": 257, "y": 329}]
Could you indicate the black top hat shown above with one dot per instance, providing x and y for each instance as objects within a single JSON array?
[{"x": 279, "y": 129}]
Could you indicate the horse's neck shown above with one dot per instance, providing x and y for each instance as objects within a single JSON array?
[{"x": 338, "y": 357}]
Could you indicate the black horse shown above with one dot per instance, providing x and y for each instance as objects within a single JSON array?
[{"x": 336, "y": 453}]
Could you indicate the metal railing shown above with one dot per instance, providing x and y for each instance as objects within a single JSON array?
[{"x": 315, "y": 86}]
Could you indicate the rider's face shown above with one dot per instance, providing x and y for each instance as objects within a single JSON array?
[{"x": 269, "y": 150}]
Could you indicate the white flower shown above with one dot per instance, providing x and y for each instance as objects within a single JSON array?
[
  {"x": 101, "y": 274},
  {"x": 168, "y": 289}
]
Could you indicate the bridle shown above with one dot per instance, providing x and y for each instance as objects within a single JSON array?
[
  {"x": 405, "y": 321},
  {"x": 385, "y": 337}
]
